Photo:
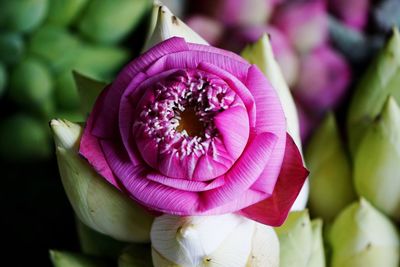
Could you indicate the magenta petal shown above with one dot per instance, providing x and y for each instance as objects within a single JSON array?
[
  {"x": 91, "y": 150},
  {"x": 236, "y": 85},
  {"x": 215, "y": 50},
  {"x": 233, "y": 125},
  {"x": 270, "y": 118},
  {"x": 187, "y": 185},
  {"x": 274, "y": 210},
  {"x": 108, "y": 111},
  {"x": 243, "y": 174}
]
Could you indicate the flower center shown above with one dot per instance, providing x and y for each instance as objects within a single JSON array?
[{"x": 178, "y": 112}]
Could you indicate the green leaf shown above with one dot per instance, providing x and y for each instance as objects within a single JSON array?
[
  {"x": 70, "y": 259},
  {"x": 88, "y": 90}
]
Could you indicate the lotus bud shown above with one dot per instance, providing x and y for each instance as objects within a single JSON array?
[
  {"x": 96, "y": 203},
  {"x": 63, "y": 12},
  {"x": 353, "y": 13},
  {"x": 304, "y": 22},
  {"x": 323, "y": 79},
  {"x": 376, "y": 165},
  {"x": 168, "y": 25},
  {"x": 109, "y": 21},
  {"x": 22, "y": 15},
  {"x": 317, "y": 258},
  {"x": 296, "y": 240},
  {"x": 330, "y": 172},
  {"x": 3, "y": 78},
  {"x": 224, "y": 240},
  {"x": 176, "y": 6},
  {"x": 363, "y": 237},
  {"x": 68, "y": 259},
  {"x": 23, "y": 138},
  {"x": 56, "y": 46},
  {"x": 261, "y": 54},
  {"x": 12, "y": 48},
  {"x": 31, "y": 83},
  {"x": 208, "y": 28},
  {"x": 381, "y": 79},
  {"x": 100, "y": 61}
]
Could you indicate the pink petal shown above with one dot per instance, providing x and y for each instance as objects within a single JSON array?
[
  {"x": 274, "y": 210},
  {"x": 108, "y": 111},
  {"x": 270, "y": 118},
  {"x": 236, "y": 85},
  {"x": 187, "y": 185},
  {"x": 215, "y": 50},
  {"x": 243, "y": 174},
  {"x": 91, "y": 150},
  {"x": 233, "y": 125}
]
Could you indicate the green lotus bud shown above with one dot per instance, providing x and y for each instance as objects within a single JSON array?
[
  {"x": 381, "y": 80},
  {"x": 223, "y": 240},
  {"x": 109, "y": 21},
  {"x": 63, "y": 12},
  {"x": 296, "y": 240},
  {"x": 69, "y": 259},
  {"x": 11, "y": 48},
  {"x": 55, "y": 45},
  {"x": 100, "y": 62},
  {"x": 376, "y": 165},
  {"x": 168, "y": 25},
  {"x": 88, "y": 90},
  {"x": 136, "y": 255},
  {"x": 317, "y": 257},
  {"x": 96, "y": 203},
  {"x": 331, "y": 185},
  {"x": 31, "y": 83},
  {"x": 261, "y": 54},
  {"x": 23, "y": 138},
  {"x": 96, "y": 244},
  {"x": 66, "y": 94},
  {"x": 363, "y": 237},
  {"x": 3, "y": 79},
  {"x": 22, "y": 15}
]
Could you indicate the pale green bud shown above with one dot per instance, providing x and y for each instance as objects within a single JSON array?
[
  {"x": 109, "y": 21},
  {"x": 56, "y": 46},
  {"x": 260, "y": 53},
  {"x": 224, "y": 240},
  {"x": 317, "y": 257},
  {"x": 70, "y": 259},
  {"x": 96, "y": 203},
  {"x": 63, "y": 12},
  {"x": 167, "y": 25},
  {"x": 296, "y": 240},
  {"x": 31, "y": 83},
  {"x": 363, "y": 237},
  {"x": 331, "y": 184},
  {"x": 22, "y": 15},
  {"x": 381, "y": 80},
  {"x": 376, "y": 165}
]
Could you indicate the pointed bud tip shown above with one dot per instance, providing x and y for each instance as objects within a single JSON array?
[{"x": 66, "y": 134}]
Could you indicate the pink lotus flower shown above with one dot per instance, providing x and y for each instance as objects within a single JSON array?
[
  {"x": 190, "y": 129},
  {"x": 323, "y": 79},
  {"x": 305, "y": 23}
]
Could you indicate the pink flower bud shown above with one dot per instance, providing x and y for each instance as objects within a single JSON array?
[
  {"x": 353, "y": 13},
  {"x": 304, "y": 22},
  {"x": 208, "y": 28},
  {"x": 323, "y": 78}
]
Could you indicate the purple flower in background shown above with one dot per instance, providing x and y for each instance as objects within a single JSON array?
[
  {"x": 323, "y": 78},
  {"x": 353, "y": 13},
  {"x": 304, "y": 23},
  {"x": 208, "y": 28}
]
